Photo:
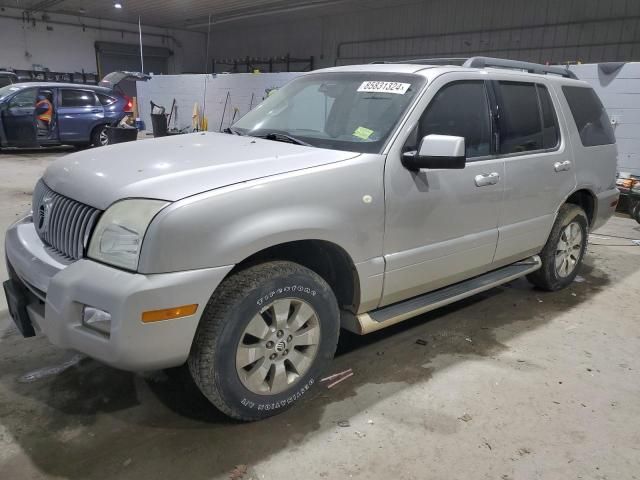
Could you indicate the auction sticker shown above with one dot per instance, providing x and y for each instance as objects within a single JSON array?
[{"x": 384, "y": 87}]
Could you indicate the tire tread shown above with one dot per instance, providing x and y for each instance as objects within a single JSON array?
[{"x": 227, "y": 295}]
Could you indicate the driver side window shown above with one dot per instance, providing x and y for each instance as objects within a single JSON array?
[
  {"x": 24, "y": 99},
  {"x": 460, "y": 109}
]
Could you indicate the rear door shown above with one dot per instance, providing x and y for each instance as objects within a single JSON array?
[
  {"x": 79, "y": 111},
  {"x": 539, "y": 173},
  {"x": 18, "y": 119}
]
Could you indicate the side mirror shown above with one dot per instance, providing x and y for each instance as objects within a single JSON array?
[{"x": 437, "y": 151}]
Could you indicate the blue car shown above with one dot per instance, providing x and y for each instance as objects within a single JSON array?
[{"x": 46, "y": 114}]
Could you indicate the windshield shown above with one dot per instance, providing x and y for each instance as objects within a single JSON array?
[
  {"x": 341, "y": 111},
  {"x": 4, "y": 91}
]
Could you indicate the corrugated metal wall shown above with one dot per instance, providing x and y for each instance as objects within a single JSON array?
[{"x": 534, "y": 30}]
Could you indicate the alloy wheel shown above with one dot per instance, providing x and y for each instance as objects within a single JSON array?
[
  {"x": 103, "y": 138},
  {"x": 568, "y": 249},
  {"x": 278, "y": 346}
]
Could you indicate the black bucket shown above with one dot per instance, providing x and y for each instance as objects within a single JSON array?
[{"x": 159, "y": 125}]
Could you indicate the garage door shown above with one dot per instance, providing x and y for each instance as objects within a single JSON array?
[{"x": 120, "y": 56}]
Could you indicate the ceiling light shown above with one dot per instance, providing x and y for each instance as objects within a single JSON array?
[{"x": 117, "y": 5}]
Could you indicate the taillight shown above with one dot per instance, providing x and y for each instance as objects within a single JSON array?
[{"x": 129, "y": 106}]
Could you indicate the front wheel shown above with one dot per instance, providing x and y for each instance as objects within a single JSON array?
[
  {"x": 265, "y": 337},
  {"x": 563, "y": 253}
]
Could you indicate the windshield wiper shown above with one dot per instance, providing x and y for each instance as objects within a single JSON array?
[
  {"x": 231, "y": 131},
  {"x": 282, "y": 137}
]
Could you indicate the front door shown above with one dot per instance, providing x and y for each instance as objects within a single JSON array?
[
  {"x": 78, "y": 112},
  {"x": 442, "y": 225},
  {"x": 18, "y": 119}
]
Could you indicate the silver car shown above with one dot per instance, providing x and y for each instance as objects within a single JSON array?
[{"x": 352, "y": 198}]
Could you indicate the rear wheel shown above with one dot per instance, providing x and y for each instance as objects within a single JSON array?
[
  {"x": 265, "y": 337},
  {"x": 563, "y": 253},
  {"x": 99, "y": 137}
]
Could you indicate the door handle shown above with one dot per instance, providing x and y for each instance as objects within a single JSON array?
[
  {"x": 487, "y": 179},
  {"x": 96, "y": 111},
  {"x": 562, "y": 166}
]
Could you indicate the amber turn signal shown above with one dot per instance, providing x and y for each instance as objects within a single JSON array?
[{"x": 169, "y": 313}]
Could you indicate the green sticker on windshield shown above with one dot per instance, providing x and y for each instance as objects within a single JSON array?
[{"x": 363, "y": 133}]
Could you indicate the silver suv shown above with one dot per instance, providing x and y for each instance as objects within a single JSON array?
[{"x": 354, "y": 198}]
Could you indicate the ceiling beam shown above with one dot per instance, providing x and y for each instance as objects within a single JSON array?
[{"x": 253, "y": 12}]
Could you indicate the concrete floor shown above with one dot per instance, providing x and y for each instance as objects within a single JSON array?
[{"x": 512, "y": 384}]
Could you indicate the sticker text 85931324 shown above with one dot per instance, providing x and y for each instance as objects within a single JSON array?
[{"x": 384, "y": 87}]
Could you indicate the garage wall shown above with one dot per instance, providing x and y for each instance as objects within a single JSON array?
[
  {"x": 540, "y": 31},
  {"x": 69, "y": 47}
]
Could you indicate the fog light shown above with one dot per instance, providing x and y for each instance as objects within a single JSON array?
[{"x": 96, "y": 319}]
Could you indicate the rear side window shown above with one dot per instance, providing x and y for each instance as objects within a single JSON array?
[
  {"x": 519, "y": 121},
  {"x": 106, "y": 99},
  {"x": 460, "y": 109},
  {"x": 590, "y": 116},
  {"x": 77, "y": 98}
]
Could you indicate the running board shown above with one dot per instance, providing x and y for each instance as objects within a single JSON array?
[{"x": 392, "y": 314}]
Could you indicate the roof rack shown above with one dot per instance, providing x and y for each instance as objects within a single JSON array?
[
  {"x": 484, "y": 62},
  {"x": 430, "y": 61}
]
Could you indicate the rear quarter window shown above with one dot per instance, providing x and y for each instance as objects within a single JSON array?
[
  {"x": 589, "y": 115},
  {"x": 106, "y": 99}
]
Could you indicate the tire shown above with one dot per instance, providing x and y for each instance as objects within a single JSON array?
[
  {"x": 99, "y": 137},
  {"x": 223, "y": 357},
  {"x": 635, "y": 212},
  {"x": 550, "y": 276}
]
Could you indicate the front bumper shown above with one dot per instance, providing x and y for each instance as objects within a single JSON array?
[
  {"x": 59, "y": 290},
  {"x": 606, "y": 203}
]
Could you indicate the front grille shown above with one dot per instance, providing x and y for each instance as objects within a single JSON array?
[{"x": 62, "y": 223}]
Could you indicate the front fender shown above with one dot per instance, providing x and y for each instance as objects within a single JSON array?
[{"x": 342, "y": 203}]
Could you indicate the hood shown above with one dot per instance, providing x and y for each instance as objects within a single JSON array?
[{"x": 175, "y": 167}]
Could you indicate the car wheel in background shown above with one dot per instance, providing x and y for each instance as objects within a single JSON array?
[
  {"x": 265, "y": 337},
  {"x": 635, "y": 212},
  {"x": 99, "y": 137},
  {"x": 563, "y": 253}
]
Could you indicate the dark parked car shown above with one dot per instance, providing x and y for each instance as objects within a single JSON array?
[
  {"x": 7, "y": 78},
  {"x": 45, "y": 114}
]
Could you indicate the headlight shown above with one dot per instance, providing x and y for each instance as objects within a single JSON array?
[{"x": 118, "y": 236}]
